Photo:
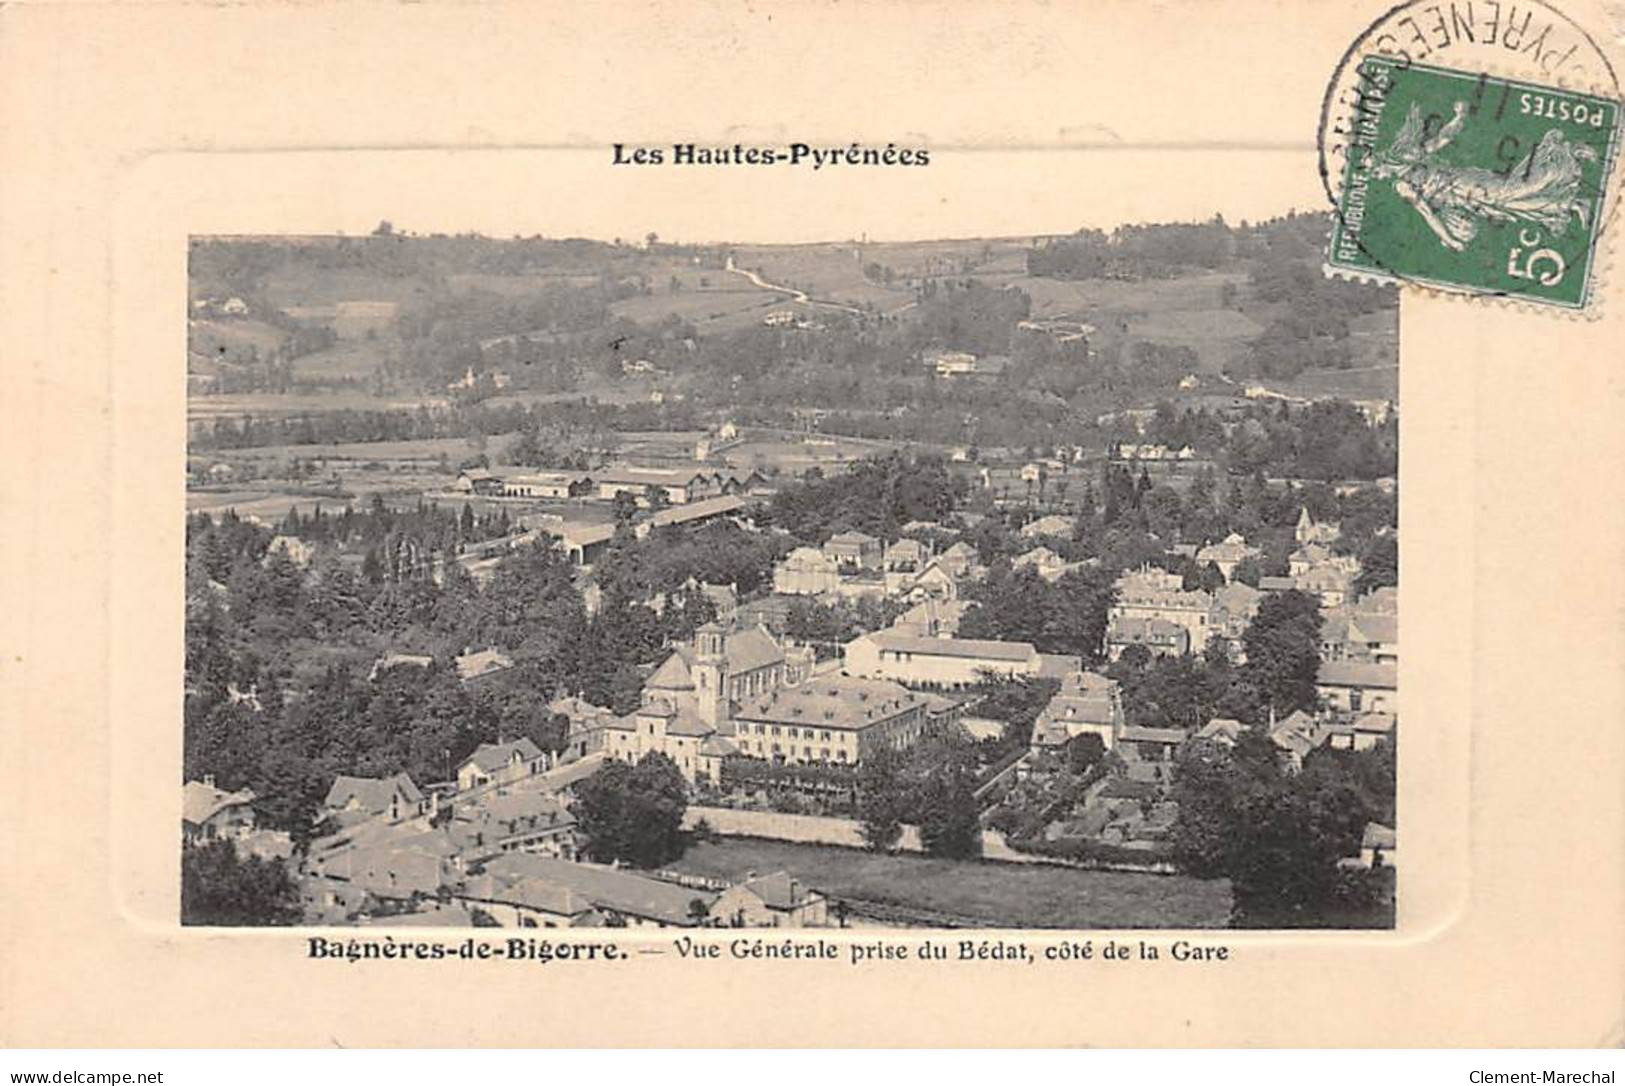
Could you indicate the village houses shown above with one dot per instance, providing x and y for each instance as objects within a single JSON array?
[
  {"x": 1087, "y": 703},
  {"x": 500, "y": 763},
  {"x": 1153, "y": 593}
]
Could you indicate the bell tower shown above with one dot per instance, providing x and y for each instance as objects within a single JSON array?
[{"x": 711, "y": 674}]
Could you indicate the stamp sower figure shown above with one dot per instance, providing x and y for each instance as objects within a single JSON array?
[{"x": 1543, "y": 188}]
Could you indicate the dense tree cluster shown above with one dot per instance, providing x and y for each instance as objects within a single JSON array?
[
  {"x": 827, "y": 626},
  {"x": 219, "y": 888},
  {"x": 718, "y": 553},
  {"x": 1150, "y": 251},
  {"x": 281, "y": 689},
  {"x": 633, "y": 814},
  {"x": 1067, "y": 616},
  {"x": 1278, "y": 836},
  {"x": 969, "y": 315},
  {"x": 931, "y": 786},
  {"x": 876, "y": 496}
]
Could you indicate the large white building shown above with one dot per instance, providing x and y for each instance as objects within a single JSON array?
[
  {"x": 938, "y": 662},
  {"x": 733, "y": 693},
  {"x": 1155, "y": 594},
  {"x": 829, "y": 719}
]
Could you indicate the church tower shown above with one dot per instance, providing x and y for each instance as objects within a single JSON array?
[{"x": 711, "y": 674}]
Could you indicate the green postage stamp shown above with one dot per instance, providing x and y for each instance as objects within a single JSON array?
[{"x": 1474, "y": 183}]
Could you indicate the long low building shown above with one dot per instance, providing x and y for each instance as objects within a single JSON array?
[
  {"x": 938, "y": 662},
  {"x": 836, "y": 719},
  {"x": 562, "y": 891}
]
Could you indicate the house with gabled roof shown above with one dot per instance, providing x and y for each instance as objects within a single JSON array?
[
  {"x": 932, "y": 617},
  {"x": 1046, "y": 563},
  {"x": 1359, "y": 686},
  {"x": 854, "y": 551},
  {"x": 933, "y": 581},
  {"x": 472, "y": 666},
  {"x": 1158, "y": 636},
  {"x": 1087, "y": 702},
  {"x": 806, "y": 571},
  {"x": 1234, "y": 607},
  {"x": 527, "y": 819},
  {"x": 1373, "y": 636},
  {"x": 962, "y": 561},
  {"x": 1051, "y": 526},
  {"x": 1223, "y": 730},
  {"x": 213, "y": 814},
  {"x": 1148, "y": 753},
  {"x": 906, "y": 556},
  {"x": 587, "y": 725},
  {"x": 527, "y": 903},
  {"x": 1296, "y": 736},
  {"x": 778, "y": 900},
  {"x": 500, "y": 763},
  {"x": 395, "y": 797},
  {"x": 1228, "y": 553}
]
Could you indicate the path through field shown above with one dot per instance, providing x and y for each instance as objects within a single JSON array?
[{"x": 798, "y": 295}]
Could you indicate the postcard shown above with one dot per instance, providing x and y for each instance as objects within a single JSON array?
[{"x": 799, "y": 525}]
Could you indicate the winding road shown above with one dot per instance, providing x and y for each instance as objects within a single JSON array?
[{"x": 797, "y": 295}]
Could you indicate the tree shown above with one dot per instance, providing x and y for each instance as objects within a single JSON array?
[
  {"x": 634, "y": 814},
  {"x": 948, "y": 815},
  {"x": 220, "y": 889},
  {"x": 625, "y": 507},
  {"x": 1248, "y": 571},
  {"x": 882, "y": 800},
  {"x": 1283, "y": 651},
  {"x": 1379, "y": 566},
  {"x": 1084, "y": 751}
]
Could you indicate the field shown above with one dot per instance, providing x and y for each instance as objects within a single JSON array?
[
  {"x": 272, "y": 404},
  {"x": 232, "y": 340},
  {"x": 1359, "y": 383},
  {"x": 794, "y": 456},
  {"x": 517, "y": 286},
  {"x": 999, "y": 895},
  {"x": 357, "y": 358},
  {"x": 427, "y": 451},
  {"x": 711, "y": 309},
  {"x": 270, "y": 504},
  {"x": 827, "y": 272},
  {"x": 305, "y": 284}
]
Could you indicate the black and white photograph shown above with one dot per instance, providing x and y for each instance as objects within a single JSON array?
[
  {"x": 1036, "y": 582},
  {"x": 574, "y": 536}
]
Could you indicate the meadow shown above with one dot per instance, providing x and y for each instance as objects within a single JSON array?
[{"x": 989, "y": 894}]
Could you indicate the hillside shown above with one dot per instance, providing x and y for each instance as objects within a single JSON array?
[{"x": 1090, "y": 322}]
